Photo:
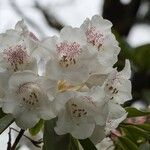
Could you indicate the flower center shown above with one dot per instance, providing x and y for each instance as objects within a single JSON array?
[
  {"x": 76, "y": 110},
  {"x": 16, "y": 57},
  {"x": 68, "y": 53},
  {"x": 81, "y": 107},
  {"x": 112, "y": 91},
  {"x": 94, "y": 37},
  {"x": 30, "y": 93}
]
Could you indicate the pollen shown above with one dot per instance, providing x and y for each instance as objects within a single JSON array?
[
  {"x": 94, "y": 37},
  {"x": 16, "y": 57}
]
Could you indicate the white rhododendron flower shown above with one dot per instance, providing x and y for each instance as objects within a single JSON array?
[
  {"x": 69, "y": 59},
  {"x": 27, "y": 99},
  {"x": 80, "y": 112},
  {"x": 102, "y": 42},
  {"x": 118, "y": 85},
  {"x": 16, "y": 48},
  {"x": 79, "y": 84}
]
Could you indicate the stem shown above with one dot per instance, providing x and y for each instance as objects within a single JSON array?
[
  {"x": 17, "y": 139},
  {"x": 35, "y": 143},
  {"x": 9, "y": 140}
]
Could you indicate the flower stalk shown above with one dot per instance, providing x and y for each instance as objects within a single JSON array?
[{"x": 17, "y": 139}]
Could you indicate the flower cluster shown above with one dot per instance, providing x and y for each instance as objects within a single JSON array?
[{"x": 78, "y": 85}]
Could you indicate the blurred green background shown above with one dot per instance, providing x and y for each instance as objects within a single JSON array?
[{"x": 124, "y": 17}]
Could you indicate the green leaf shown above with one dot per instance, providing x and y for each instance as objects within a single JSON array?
[
  {"x": 126, "y": 144},
  {"x": 133, "y": 112},
  {"x": 36, "y": 129},
  {"x": 2, "y": 114},
  {"x": 146, "y": 95},
  {"x": 5, "y": 122},
  {"x": 141, "y": 57},
  {"x": 52, "y": 141},
  {"x": 137, "y": 132},
  {"x": 145, "y": 127},
  {"x": 133, "y": 137},
  {"x": 87, "y": 144},
  {"x": 145, "y": 146}
]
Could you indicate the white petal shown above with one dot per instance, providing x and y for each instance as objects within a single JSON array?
[
  {"x": 98, "y": 134},
  {"x": 63, "y": 124},
  {"x": 13, "y": 107},
  {"x": 100, "y": 23},
  {"x": 109, "y": 50},
  {"x": 46, "y": 49},
  {"x": 10, "y": 38},
  {"x": 12, "y": 104},
  {"x": 116, "y": 115},
  {"x": 96, "y": 80},
  {"x": 126, "y": 72},
  {"x": 49, "y": 86},
  {"x": 27, "y": 120},
  {"x": 20, "y": 26},
  {"x": 32, "y": 65},
  {"x": 71, "y": 74},
  {"x": 83, "y": 131},
  {"x": 98, "y": 95},
  {"x": 124, "y": 94},
  {"x": 46, "y": 113},
  {"x": 61, "y": 99},
  {"x": 2, "y": 93},
  {"x": 101, "y": 116},
  {"x": 86, "y": 24},
  {"x": 105, "y": 144},
  {"x": 21, "y": 77},
  {"x": 73, "y": 35}
]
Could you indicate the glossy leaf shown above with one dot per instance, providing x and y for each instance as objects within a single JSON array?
[
  {"x": 133, "y": 112},
  {"x": 52, "y": 141},
  {"x": 145, "y": 126},
  {"x": 133, "y": 137},
  {"x": 136, "y": 132},
  {"x": 36, "y": 129},
  {"x": 126, "y": 144},
  {"x": 87, "y": 144},
  {"x": 5, "y": 122},
  {"x": 141, "y": 57},
  {"x": 2, "y": 114}
]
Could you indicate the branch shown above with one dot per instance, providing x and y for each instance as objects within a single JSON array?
[
  {"x": 17, "y": 139},
  {"x": 20, "y": 13},
  {"x": 9, "y": 140},
  {"x": 35, "y": 143},
  {"x": 51, "y": 19}
]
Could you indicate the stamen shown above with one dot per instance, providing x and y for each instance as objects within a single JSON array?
[
  {"x": 76, "y": 110},
  {"x": 68, "y": 53},
  {"x": 94, "y": 37},
  {"x": 16, "y": 56},
  {"x": 29, "y": 92}
]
